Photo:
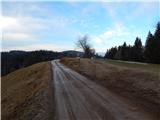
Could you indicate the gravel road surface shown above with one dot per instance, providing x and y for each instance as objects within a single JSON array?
[{"x": 78, "y": 98}]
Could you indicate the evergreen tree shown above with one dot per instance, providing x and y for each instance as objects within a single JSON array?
[
  {"x": 110, "y": 54},
  {"x": 118, "y": 54},
  {"x": 149, "y": 47},
  {"x": 150, "y": 53},
  {"x": 156, "y": 44},
  {"x": 129, "y": 53},
  {"x": 124, "y": 52},
  {"x": 152, "y": 46},
  {"x": 138, "y": 50}
]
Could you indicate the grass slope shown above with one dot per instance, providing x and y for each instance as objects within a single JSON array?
[{"x": 26, "y": 93}]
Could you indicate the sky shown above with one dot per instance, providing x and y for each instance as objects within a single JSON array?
[{"x": 53, "y": 25}]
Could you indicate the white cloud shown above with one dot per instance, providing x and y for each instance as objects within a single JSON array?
[
  {"x": 144, "y": 10},
  {"x": 111, "y": 10},
  {"x": 7, "y": 21},
  {"x": 23, "y": 24},
  {"x": 53, "y": 47},
  {"x": 26, "y": 20},
  {"x": 19, "y": 37},
  {"x": 24, "y": 27},
  {"x": 35, "y": 21},
  {"x": 19, "y": 29},
  {"x": 118, "y": 30}
]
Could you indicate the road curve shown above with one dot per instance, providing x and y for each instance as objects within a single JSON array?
[{"x": 78, "y": 98}]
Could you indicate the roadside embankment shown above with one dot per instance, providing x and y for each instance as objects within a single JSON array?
[{"x": 27, "y": 93}]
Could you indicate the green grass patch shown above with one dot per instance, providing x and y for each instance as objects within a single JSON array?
[{"x": 143, "y": 66}]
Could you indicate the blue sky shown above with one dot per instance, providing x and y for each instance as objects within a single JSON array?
[{"x": 57, "y": 25}]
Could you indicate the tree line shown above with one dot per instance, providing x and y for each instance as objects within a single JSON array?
[
  {"x": 149, "y": 53},
  {"x": 13, "y": 60}
]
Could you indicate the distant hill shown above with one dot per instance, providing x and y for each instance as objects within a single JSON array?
[
  {"x": 13, "y": 60},
  {"x": 73, "y": 53}
]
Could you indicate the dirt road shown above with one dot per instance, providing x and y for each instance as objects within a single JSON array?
[{"x": 78, "y": 98}]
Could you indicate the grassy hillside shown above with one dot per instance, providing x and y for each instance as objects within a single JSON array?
[
  {"x": 26, "y": 93},
  {"x": 138, "y": 82}
]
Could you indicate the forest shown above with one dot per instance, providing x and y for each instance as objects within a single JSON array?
[
  {"x": 13, "y": 60},
  {"x": 149, "y": 53}
]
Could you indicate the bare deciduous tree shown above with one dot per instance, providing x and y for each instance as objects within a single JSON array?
[{"x": 83, "y": 43}]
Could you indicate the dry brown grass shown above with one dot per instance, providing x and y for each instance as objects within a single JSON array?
[
  {"x": 25, "y": 93},
  {"x": 140, "y": 85}
]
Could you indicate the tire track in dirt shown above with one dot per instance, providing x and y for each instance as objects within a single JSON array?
[{"x": 78, "y": 98}]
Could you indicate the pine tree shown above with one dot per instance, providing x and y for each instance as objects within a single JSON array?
[
  {"x": 156, "y": 44},
  {"x": 110, "y": 54},
  {"x": 149, "y": 47},
  {"x": 152, "y": 47},
  {"x": 138, "y": 50},
  {"x": 123, "y": 51}
]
